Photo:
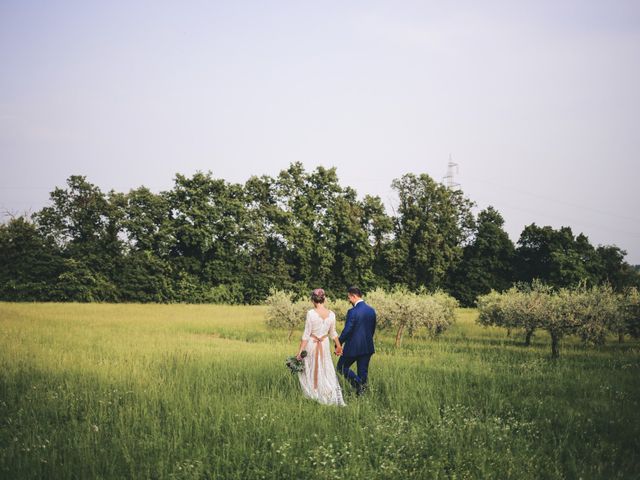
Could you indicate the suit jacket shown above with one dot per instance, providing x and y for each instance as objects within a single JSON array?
[{"x": 358, "y": 331}]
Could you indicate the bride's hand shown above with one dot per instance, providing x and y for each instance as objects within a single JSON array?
[{"x": 298, "y": 357}]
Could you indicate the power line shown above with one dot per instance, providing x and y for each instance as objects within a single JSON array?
[
  {"x": 573, "y": 222},
  {"x": 549, "y": 199}
]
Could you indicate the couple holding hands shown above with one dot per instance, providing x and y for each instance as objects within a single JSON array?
[{"x": 354, "y": 345}]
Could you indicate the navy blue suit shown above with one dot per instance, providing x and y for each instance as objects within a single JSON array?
[{"x": 357, "y": 341}]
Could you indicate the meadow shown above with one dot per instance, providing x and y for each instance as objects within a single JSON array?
[{"x": 201, "y": 391}]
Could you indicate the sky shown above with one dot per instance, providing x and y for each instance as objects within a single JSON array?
[{"x": 536, "y": 101}]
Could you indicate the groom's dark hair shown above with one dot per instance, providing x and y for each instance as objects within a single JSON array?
[{"x": 355, "y": 291}]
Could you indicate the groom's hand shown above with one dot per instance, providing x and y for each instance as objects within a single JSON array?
[{"x": 338, "y": 351}]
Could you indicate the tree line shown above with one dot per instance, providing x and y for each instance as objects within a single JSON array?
[{"x": 209, "y": 240}]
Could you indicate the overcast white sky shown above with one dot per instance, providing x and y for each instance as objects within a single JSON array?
[{"x": 537, "y": 101}]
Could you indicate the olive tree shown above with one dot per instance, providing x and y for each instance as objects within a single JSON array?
[
  {"x": 629, "y": 314},
  {"x": 514, "y": 309},
  {"x": 283, "y": 312},
  {"x": 407, "y": 311},
  {"x": 589, "y": 313}
]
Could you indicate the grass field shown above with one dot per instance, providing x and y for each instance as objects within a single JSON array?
[{"x": 183, "y": 391}]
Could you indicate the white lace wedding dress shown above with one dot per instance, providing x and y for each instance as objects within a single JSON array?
[{"x": 319, "y": 380}]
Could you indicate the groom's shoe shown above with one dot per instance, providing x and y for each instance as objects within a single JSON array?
[{"x": 362, "y": 389}]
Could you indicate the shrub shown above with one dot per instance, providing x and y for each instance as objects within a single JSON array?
[
  {"x": 339, "y": 307},
  {"x": 283, "y": 312},
  {"x": 404, "y": 310},
  {"x": 630, "y": 313},
  {"x": 400, "y": 309}
]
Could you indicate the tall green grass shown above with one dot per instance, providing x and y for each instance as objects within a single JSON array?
[{"x": 181, "y": 391}]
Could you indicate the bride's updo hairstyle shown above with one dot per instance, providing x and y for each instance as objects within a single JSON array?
[{"x": 318, "y": 296}]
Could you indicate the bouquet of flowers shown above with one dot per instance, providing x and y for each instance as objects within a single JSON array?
[{"x": 295, "y": 365}]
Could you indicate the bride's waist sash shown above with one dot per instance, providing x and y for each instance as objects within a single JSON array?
[{"x": 318, "y": 341}]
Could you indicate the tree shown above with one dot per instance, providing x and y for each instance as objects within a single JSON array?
[
  {"x": 79, "y": 283},
  {"x": 590, "y": 313},
  {"x": 353, "y": 254},
  {"x": 145, "y": 277},
  {"x": 487, "y": 262},
  {"x": 614, "y": 270},
  {"x": 379, "y": 229},
  {"x": 407, "y": 311},
  {"x": 85, "y": 225},
  {"x": 29, "y": 263},
  {"x": 631, "y": 312},
  {"x": 209, "y": 223},
  {"x": 520, "y": 307},
  {"x": 554, "y": 256},
  {"x": 147, "y": 222},
  {"x": 80, "y": 218},
  {"x": 321, "y": 227},
  {"x": 433, "y": 224},
  {"x": 598, "y": 310},
  {"x": 306, "y": 199},
  {"x": 562, "y": 260},
  {"x": 267, "y": 266},
  {"x": 283, "y": 312}
]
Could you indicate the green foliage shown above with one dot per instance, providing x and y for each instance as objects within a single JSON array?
[
  {"x": 147, "y": 222},
  {"x": 79, "y": 283},
  {"x": 599, "y": 311},
  {"x": 29, "y": 263},
  {"x": 492, "y": 312},
  {"x": 590, "y": 313},
  {"x": 631, "y": 312},
  {"x": 209, "y": 224},
  {"x": 189, "y": 289},
  {"x": 400, "y": 310},
  {"x": 404, "y": 310},
  {"x": 612, "y": 269},
  {"x": 487, "y": 261},
  {"x": 229, "y": 294},
  {"x": 283, "y": 312},
  {"x": 144, "y": 277},
  {"x": 444, "y": 307},
  {"x": 560, "y": 259},
  {"x": 85, "y": 224},
  {"x": 208, "y": 240},
  {"x": 339, "y": 307},
  {"x": 518, "y": 308},
  {"x": 432, "y": 225}
]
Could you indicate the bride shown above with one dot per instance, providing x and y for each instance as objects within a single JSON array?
[{"x": 319, "y": 380}]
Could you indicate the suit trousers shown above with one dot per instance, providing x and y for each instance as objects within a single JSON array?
[{"x": 362, "y": 361}]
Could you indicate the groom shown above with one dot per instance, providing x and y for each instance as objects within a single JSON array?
[{"x": 358, "y": 336}]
